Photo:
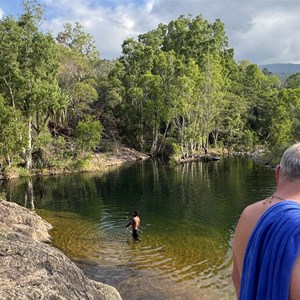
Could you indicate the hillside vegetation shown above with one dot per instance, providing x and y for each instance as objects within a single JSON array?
[{"x": 175, "y": 91}]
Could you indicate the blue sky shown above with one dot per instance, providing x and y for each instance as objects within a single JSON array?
[{"x": 262, "y": 31}]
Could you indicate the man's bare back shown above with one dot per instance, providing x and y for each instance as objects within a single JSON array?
[
  {"x": 286, "y": 189},
  {"x": 136, "y": 222},
  {"x": 245, "y": 226}
]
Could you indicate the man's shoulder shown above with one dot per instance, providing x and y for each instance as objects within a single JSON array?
[
  {"x": 250, "y": 216},
  {"x": 274, "y": 212},
  {"x": 254, "y": 210}
]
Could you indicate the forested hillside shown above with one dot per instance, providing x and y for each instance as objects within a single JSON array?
[{"x": 175, "y": 90}]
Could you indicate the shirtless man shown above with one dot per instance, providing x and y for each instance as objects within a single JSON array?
[
  {"x": 135, "y": 224},
  {"x": 288, "y": 188}
]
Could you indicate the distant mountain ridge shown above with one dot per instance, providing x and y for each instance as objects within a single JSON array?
[{"x": 282, "y": 70}]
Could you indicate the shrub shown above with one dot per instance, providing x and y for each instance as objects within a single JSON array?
[{"x": 88, "y": 134}]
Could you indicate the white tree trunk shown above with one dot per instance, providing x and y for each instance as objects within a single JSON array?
[{"x": 28, "y": 153}]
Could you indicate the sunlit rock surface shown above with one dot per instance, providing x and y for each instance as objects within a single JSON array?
[{"x": 32, "y": 269}]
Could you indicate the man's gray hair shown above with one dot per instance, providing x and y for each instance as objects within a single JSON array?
[{"x": 290, "y": 163}]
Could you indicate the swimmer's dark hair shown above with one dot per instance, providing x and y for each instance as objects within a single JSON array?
[{"x": 136, "y": 213}]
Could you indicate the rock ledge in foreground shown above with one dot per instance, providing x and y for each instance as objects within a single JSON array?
[{"x": 32, "y": 269}]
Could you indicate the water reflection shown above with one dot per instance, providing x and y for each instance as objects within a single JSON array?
[{"x": 188, "y": 216}]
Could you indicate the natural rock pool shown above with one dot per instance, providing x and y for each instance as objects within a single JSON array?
[{"x": 188, "y": 215}]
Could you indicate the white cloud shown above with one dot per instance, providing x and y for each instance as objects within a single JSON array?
[
  {"x": 271, "y": 37},
  {"x": 110, "y": 26},
  {"x": 261, "y": 31}
]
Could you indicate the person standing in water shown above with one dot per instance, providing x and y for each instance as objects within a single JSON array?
[{"x": 135, "y": 223}]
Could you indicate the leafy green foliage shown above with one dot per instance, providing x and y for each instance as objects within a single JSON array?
[
  {"x": 28, "y": 83},
  {"x": 175, "y": 90},
  {"x": 293, "y": 81},
  {"x": 88, "y": 134},
  {"x": 174, "y": 79},
  {"x": 11, "y": 133},
  {"x": 79, "y": 61},
  {"x": 78, "y": 41}
]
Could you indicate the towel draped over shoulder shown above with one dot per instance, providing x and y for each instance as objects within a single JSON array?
[{"x": 271, "y": 253}]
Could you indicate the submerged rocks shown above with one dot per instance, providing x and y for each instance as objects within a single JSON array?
[{"x": 32, "y": 269}]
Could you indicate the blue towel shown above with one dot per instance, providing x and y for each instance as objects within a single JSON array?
[{"x": 271, "y": 253}]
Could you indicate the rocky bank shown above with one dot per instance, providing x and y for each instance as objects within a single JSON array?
[
  {"x": 98, "y": 161},
  {"x": 30, "y": 268}
]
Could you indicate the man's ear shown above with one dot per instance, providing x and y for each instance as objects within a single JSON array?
[{"x": 277, "y": 172}]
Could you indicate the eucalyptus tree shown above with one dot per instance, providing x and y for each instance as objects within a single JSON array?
[
  {"x": 166, "y": 68},
  {"x": 212, "y": 93},
  {"x": 78, "y": 57},
  {"x": 261, "y": 92},
  {"x": 198, "y": 104},
  {"x": 230, "y": 125},
  {"x": 147, "y": 76},
  {"x": 173, "y": 79},
  {"x": 206, "y": 44},
  {"x": 11, "y": 131},
  {"x": 285, "y": 118},
  {"x": 186, "y": 108},
  {"x": 28, "y": 71},
  {"x": 140, "y": 87},
  {"x": 74, "y": 38}
]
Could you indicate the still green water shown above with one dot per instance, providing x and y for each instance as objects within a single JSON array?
[{"x": 188, "y": 215}]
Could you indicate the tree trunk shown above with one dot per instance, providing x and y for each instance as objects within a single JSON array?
[
  {"x": 28, "y": 151},
  {"x": 207, "y": 139},
  {"x": 161, "y": 148},
  {"x": 8, "y": 160},
  {"x": 154, "y": 145},
  {"x": 29, "y": 195},
  {"x": 215, "y": 135}
]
